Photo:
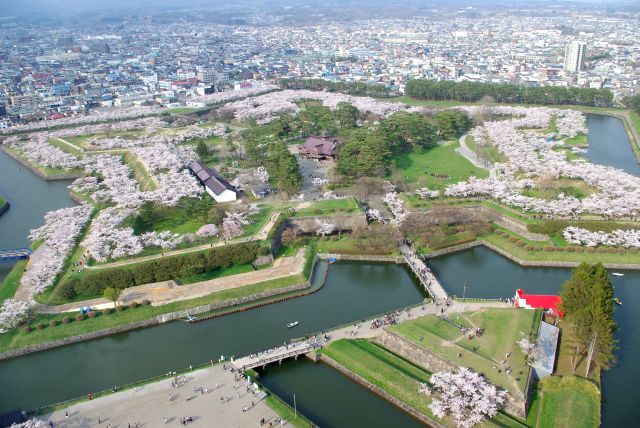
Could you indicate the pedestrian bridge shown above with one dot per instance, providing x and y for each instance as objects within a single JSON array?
[
  {"x": 424, "y": 274},
  {"x": 16, "y": 254},
  {"x": 262, "y": 359}
]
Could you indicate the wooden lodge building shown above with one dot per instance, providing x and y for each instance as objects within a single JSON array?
[
  {"x": 215, "y": 185},
  {"x": 320, "y": 147}
]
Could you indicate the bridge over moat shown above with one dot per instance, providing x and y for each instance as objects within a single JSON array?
[{"x": 15, "y": 254}]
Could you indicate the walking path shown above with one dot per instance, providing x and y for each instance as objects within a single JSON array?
[
  {"x": 424, "y": 274},
  {"x": 358, "y": 330},
  {"x": 260, "y": 236},
  {"x": 472, "y": 157},
  {"x": 212, "y": 397},
  {"x": 161, "y": 293},
  {"x": 217, "y": 397}
]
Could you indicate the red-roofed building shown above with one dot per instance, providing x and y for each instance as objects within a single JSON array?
[
  {"x": 56, "y": 116},
  {"x": 535, "y": 301}
]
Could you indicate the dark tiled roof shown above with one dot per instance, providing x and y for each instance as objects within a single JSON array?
[
  {"x": 321, "y": 146},
  {"x": 209, "y": 177}
]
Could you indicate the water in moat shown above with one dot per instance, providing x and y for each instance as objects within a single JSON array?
[
  {"x": 609, "y": 144},
  {"x": 30, "y": 198},
  {"x": 353, "y": 291}
]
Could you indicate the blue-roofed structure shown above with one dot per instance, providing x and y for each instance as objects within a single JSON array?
[{"x": 545, "y": 355}]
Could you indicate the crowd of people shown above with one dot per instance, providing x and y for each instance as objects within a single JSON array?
[{"x": 424, "y": 274}]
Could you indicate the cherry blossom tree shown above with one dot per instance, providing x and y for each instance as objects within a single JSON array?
[
  {"x": 31, "y": 423},
  {"x": 12, "y": 313},
  {"x": 60, "y": 231},
  {"x": 396, "y": 205},
  {"x": 208, "y": 230},
  {"x": 324, "y": 228},
  {"x": 465, "y": 395}
]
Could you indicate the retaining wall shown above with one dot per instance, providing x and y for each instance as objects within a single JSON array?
[
  {"x": 74, "y": 339},
  {"x": 340, "y": 221},
  {"x": 363, "y": 257},
  {"x": 381, "y": 392},
  {"x": 475, "y": 214}
]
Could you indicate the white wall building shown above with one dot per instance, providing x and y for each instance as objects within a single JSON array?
[{"x": 574, "y": 55}]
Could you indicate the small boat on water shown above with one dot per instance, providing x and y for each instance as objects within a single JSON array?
[
  {"x": 332, "y": 260},
  {"x": 617, "y": 301},
  {"x": 190, "y": 318},
  {"x": 617, "y": 274},
  {"x": 292, "y": 324}
]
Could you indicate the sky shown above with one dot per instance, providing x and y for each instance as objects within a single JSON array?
[{"x": 66, "y": 7}]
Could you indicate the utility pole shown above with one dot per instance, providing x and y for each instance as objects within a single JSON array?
[{"x": 295, "y": 407}]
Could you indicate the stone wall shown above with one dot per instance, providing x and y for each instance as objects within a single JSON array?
[
  {"x": 149, "y": 322},
  {"x": 434, "y": 363},
  {"x": 476, "y": 214},
  {"x": 454, "y": 249},
  {"x": 74, "y": 339},
  {"x": 381, "y": 392},
  {"x": 230, "y": 303},
  {"x": 341, "y": 222},
  {"x": 363, "y": 257}
]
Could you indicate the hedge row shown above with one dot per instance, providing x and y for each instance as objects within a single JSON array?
[
  {"x": 163, "y": 269},
  {"x": 81, "y": 317},
  {"x": 549, "y": 227}
]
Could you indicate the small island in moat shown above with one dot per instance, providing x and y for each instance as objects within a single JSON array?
[{"x": 195, "y": 217}]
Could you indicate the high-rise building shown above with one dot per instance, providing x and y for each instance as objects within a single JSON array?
[{"x": 574, "y": 57}]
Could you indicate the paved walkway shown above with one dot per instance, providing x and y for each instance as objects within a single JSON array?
[
  {"x": 424, "y": 274},
  {"x": 261, "y": 235},
  {"x": 359, "y": 330},
  {"x": 220, "y": 407},
  {"x": 472, "y": 157},
  {"x": 161, "y": 293}
]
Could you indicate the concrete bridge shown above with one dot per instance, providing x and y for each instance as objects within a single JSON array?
[
  {"x": 424, "y": 274},
  {"x": 261, "y": 359},
  {"x": 16, "y": 254}
]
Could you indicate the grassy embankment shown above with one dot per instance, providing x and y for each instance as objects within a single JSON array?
[
  {"x": 396, "y": 376},
  {"x": 43, "y": 170},
  {"x": 436, "y": 167},
  {"x": 329, "y": 207},
  {"x": 18, "y": 338},
  {"x": 570, "y": 402},
  {"x": 484, "y": 354}
]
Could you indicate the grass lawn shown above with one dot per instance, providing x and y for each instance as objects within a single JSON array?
[
  {"x": 259, "y": 220},
  {"x": 329, "y": 207},
  {"x": 396, "y": 376},
  {"x": 286, "y": 412},
  {"x": 502, "y": 328},
  {"x": 423, "y": 166},
  {"x": 140, "y": 173},
  {"x": 578, "y": 140},
  {"x": 557, "y": 255},
  {"x": 569, "y": 402},
  {"x": 18, "y": 338},
  {"x": 345, "y": 244},
  {"x": 12, "y": 281},
  {"x": 551, "y": 189},
  {"x": 218, "y": 273},
  {"x": 57, "y": 142}
]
